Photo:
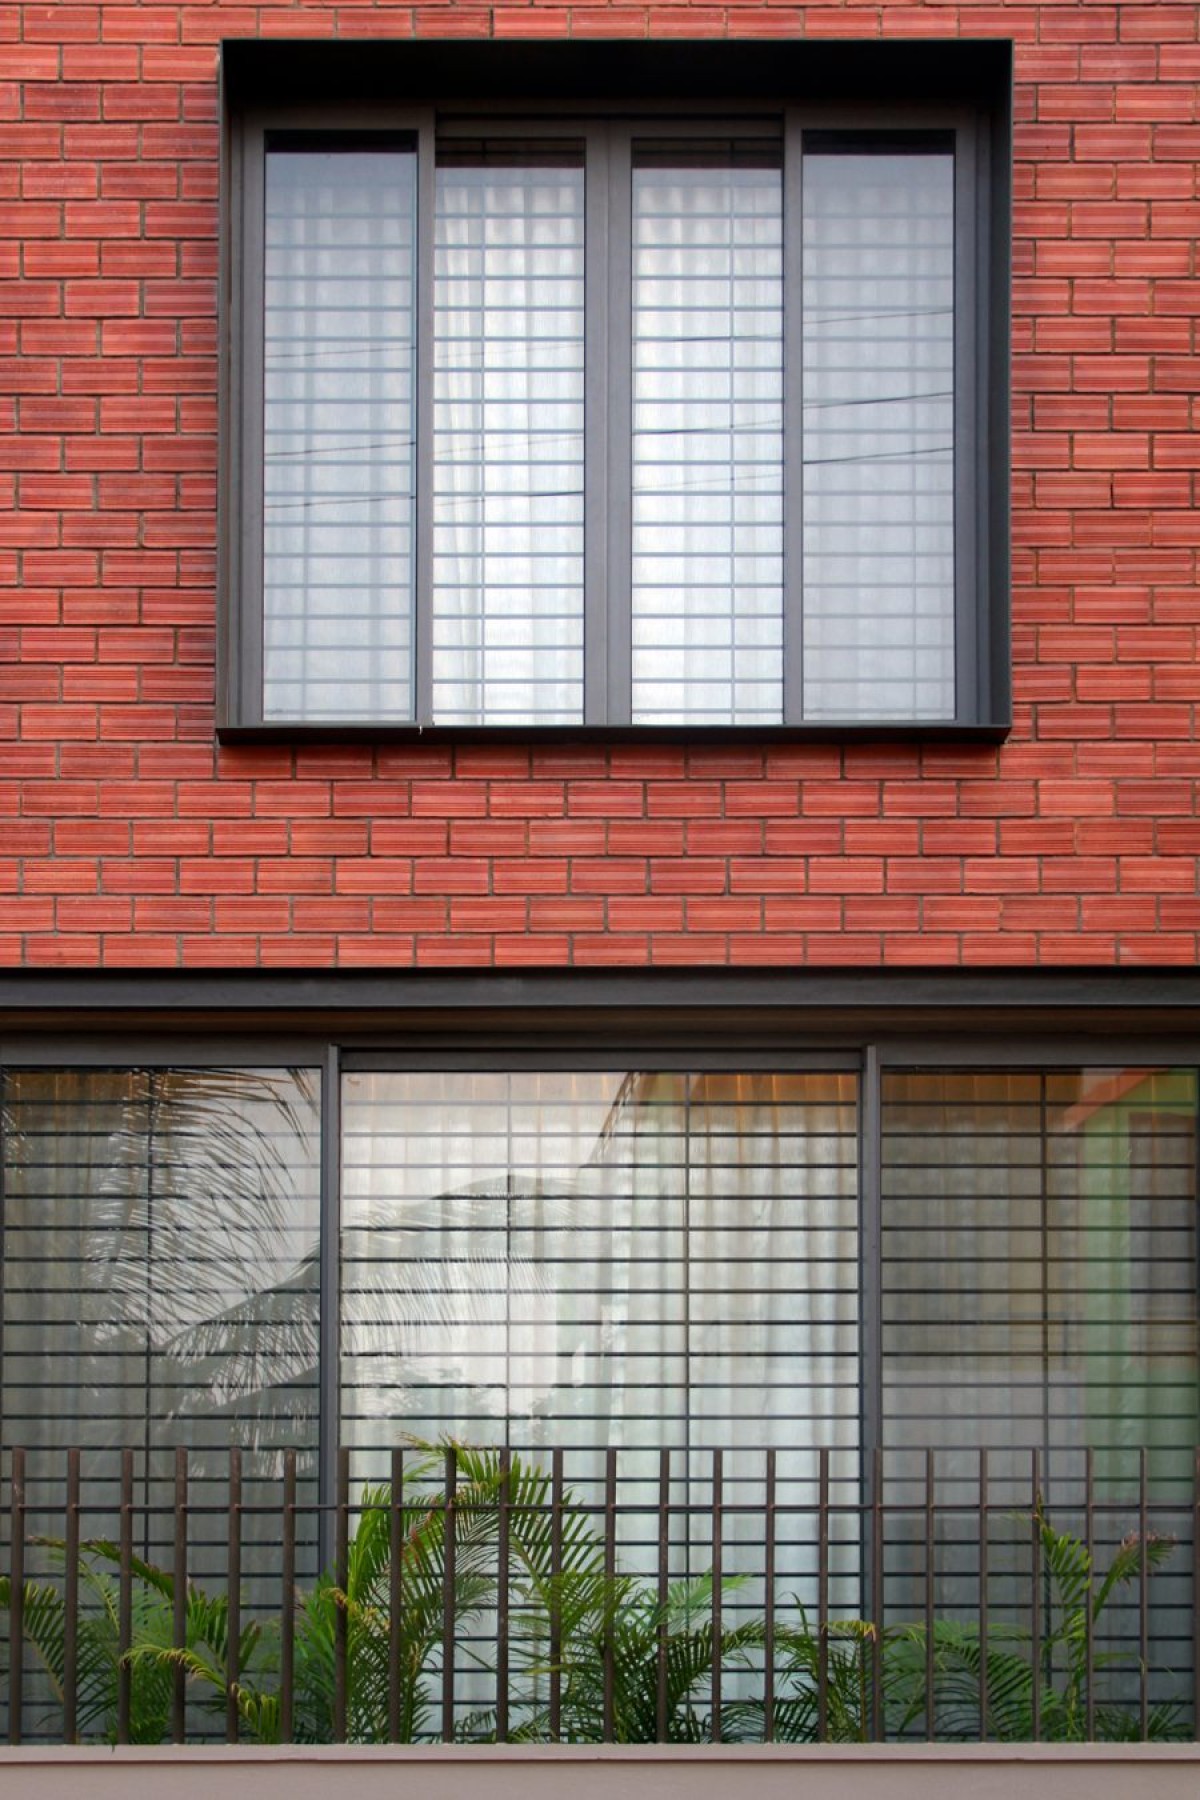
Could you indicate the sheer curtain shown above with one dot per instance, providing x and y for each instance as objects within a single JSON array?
[
  {"x": 508, "y": 449},
  {"x": 707, "y": 435}
]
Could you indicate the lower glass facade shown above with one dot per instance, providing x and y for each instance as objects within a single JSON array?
[
  {"x": 639, "y": 1257},
  {"x": 824, "y": 1272}
]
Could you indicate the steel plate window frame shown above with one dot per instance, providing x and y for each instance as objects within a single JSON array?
[{"x": 982, "y": 629}]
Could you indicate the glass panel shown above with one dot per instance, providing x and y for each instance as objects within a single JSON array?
[
  {"x": 708, "y": 435},
  {"x": 340, "y": 347},
  {"x": 508, "y": 446},
  {"x": 595, "y": 1259},
  {"x": 878, "y": 435},
  {"x": 160, "y": 1270},
  {"x": 1040, "y": 1292},
  {"x": 1054, "y": 1219}
]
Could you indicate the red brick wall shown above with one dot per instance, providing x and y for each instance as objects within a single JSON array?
[{"x": 127, "y": 837}]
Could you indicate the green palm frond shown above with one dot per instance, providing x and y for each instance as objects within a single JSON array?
[{"x": 621, "y": 1654}]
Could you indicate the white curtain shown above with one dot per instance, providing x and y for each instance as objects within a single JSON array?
[
  {"x": 508, "y": 449},
  {"x": 707, "y": 444}
]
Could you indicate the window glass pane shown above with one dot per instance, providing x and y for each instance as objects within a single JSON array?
[
  {"x": 707, "y": 435},
  {"x": 338, "y": 447},
  {"x": 1039, "y": 1264},
  {"x": 1039, "y": 1294},
  {"x": 508, "y": 428},
  {"x": 878, "y": 239},
  {"x": 586, "y": 1259},
  {"x": 160, "y": 1265}
]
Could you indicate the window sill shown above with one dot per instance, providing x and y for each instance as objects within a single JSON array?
[{"x": 895, "y": 731}]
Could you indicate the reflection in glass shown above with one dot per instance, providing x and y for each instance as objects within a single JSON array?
[
  {"x": 1039, "y": 1292},
  {"x": 593, "y": 1259},
  {"x": 878, "y": 239},
  {"x": 160, "y": 1268},
  {"x": 707, "y": 434},
  {"x": 339, "y": 373},
  {"x": 508, "y": 437},
  {"x": 1039, "y": 1261}
]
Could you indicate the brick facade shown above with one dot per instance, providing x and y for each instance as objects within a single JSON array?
[{"x": 127, "y": 837}]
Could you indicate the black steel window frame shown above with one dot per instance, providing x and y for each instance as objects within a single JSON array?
[{"x": 842, "y": 94}]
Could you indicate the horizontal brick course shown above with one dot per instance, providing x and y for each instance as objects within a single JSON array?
[{"x": 128, "y": 839}]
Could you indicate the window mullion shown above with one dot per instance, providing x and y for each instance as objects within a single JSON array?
[
  {"x": 970, "y": 496},
  {"x": 793, "y": 421},
  {"x": 330, "y": 1278},
  {"x": 243, "y": 686},
  {"x": 597, "y": 426},
  {"x": 617, "y": 374},
  {"x": 423, "y": 460}
]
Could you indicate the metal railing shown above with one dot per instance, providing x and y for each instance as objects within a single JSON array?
[{"x": 485, "y": 1596}]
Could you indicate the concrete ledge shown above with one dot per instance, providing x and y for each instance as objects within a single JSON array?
[{"x": 653, "y": 1772}]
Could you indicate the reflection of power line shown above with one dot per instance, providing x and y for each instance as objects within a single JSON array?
[
  {"x": 699, "y": 485},
  {"x": 343, "y": 454}
]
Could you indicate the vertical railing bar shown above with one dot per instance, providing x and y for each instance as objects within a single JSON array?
[
  {"x": 664, "y": 1547},
  {"x": 823, "y": 1596},
  {"x": 180, "y": 1597},
  {"x": 449, "y": 1582},
  {"x": 395, "y": 1591},
  {"x": 16, "y": 1605},
  {"x": 341, "y": 1576},
  {"x": 930, "y": 1539},
  {"x": 1143, "y": 1598},
  {"x": 287, "y": 1614},
  {"x": 71, "y": 1604},
  {"x": 1035, "y": 1619},
  {"x": 718, "y": 1495},
  {"x": 502, "y": 1599},
  {"x": 1089, "y": 1545},
  {"x": 330, "y": 1311},
  {"x": 984, "y": 1546},
  {"x": 125, "y": 1599},
  {"x": 769, "y": 1606},
  {"x": 1196, "y": 1597},
  {"x": 877, "y": 1597},
  {"x": 556, "y": 1564},
  {"x": 234, "y": 1601},
  {"x": 610, "y": 1571}
]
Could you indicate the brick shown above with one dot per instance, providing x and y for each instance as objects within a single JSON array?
[{"x": 1076, "y": 844}]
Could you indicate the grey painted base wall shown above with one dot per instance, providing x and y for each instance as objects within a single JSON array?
[{"x": 944, "y": 1772}]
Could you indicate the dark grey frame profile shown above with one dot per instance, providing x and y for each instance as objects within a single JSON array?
[{"x": 434, "y": 89}]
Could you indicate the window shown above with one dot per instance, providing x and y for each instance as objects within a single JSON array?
[
  {"x": 739, "y": 1250},
  {"x": 825, "y": 1262},
  {"x": 666, "y": 410}
]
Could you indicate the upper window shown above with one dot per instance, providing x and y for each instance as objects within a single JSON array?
[{"x": 578, "y": 412}]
